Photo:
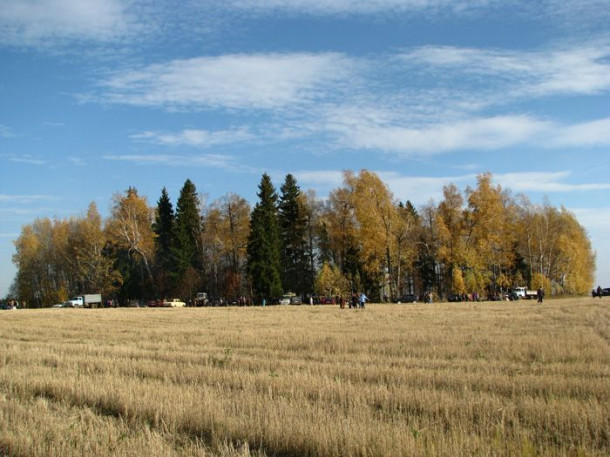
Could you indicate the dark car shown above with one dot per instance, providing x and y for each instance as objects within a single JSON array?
[
  {"x": 606, "y": 292},
  {"x": 513, "y": 296},
  {"x": 408, "y": 298},
  {"x": 455, "y": 297}
]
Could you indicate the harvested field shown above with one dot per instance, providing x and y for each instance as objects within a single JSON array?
[{"x": 415, "y": 380}]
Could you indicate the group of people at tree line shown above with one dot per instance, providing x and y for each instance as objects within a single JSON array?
[
  {"x": 597, "y": 292},
  {"x": 356, "y": 301}
]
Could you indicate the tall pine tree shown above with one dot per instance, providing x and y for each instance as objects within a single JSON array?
[
  {"x": 164, "y": 229},
  {"x": 264, "y": 244},
  {"x": 294, "y": 256},
  {"x": 187, "y": 230}
]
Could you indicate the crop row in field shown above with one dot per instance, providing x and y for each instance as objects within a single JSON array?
[{"x": 476, "y": 379}]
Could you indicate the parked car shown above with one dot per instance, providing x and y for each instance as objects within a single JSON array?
[
  {"x": 290, "y": 299},
  {"x": 174, "y": 303},
  {"x": 455, "y": 298},
  {"x": 408, "y": 298},
  {"x": 513, "y": 296}
]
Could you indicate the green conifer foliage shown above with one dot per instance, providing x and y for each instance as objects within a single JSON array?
[
  {"x": 164, "y": 229},
  {"x": 264, "y": 244},
  {"x": 295, "y": 263},
  {"x": 187, "y": 230}
]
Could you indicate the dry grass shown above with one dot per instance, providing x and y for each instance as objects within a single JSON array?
[{"x": 442, "y": 380}]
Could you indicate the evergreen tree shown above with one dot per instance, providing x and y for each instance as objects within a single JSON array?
[
  {"x": 164, "y": 229},
  {"x": 264, "y": 243},
  {"x": 295, "y": 264},
  {"x": 187, "y": 230}
]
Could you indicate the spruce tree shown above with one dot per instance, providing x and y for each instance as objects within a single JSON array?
[
  {"x": 264, "y": 244},
  {"x": 187, "y": 229},
  {"x": 164, "y": 229},
  {"x": 295, "y": 264}
]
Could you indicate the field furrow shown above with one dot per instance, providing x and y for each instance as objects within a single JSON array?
[{"x": 482, "y": 379}]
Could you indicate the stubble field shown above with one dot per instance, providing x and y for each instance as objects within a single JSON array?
[{"x": 392, "y": 380}]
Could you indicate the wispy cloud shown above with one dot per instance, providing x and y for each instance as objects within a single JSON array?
[
  {"x": 326, "y": 7},
  {"x": 48, "y": 22},
  {"x": 24, "y": 158},
  {"x": 25, "y": 199},
  {"x": 595, "y": 219},
  {"x": 6, "y": 131},
  {"x": 406, "y": 134},
  {"x": 473, "y": 134},
  {"x": 582, "y": 70},
  {"x": 77, "y": 161},
  {"x": 196, "y": 138},
  {"x": 593, "y": 133},
  {"x": 546, "y": 182},
  {"x": 346, "y": 100},
  {"x": 254, "y": 81},
  {"x": 224, "y": 162}
]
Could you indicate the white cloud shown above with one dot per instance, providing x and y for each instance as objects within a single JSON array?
[
  {"x": 583, "y": 70},
  {"x": 44, "y": 22},
  {"x": 545, "y": 182},
  {"x": 25, "y": 199},
  {"x": 324, "y": 7},
  {"x": 593, "y": 133},
  {"x": 255, "y": 81},
  {"x": 77, "y": 161},
  {"x": 346, "y": 100},
  {"x": 6, "y": 131},
  {"x": 196, "y": 138},
  {"x": 407, "y": 134},
  {"x": 24, "y": 158},
  {"x": 224, "y": 162},
  {"x": 595, "y": 219},
  {"x": 478, "y": 134},
  {"x": 323, "y": 181}
]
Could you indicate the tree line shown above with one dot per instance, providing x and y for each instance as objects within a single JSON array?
[{"x": 359, "y": 238}]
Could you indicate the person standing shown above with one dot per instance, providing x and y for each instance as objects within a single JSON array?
[
  {"x": 363, "y": 300},
  {"x": 599, "y": 291},
  {"x": 540, "y": 293}
]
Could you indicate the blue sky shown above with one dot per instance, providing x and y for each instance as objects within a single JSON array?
[{"x": 100, "y": 95}]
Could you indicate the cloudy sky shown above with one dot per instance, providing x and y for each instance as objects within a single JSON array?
[{"x": 100, "y": 95}]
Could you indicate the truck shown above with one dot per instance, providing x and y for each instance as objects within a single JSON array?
[
  {"x": 84, "y": 301},
  {"x": 523, "y": 292},
  {"x": 202, "y": 299}
]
